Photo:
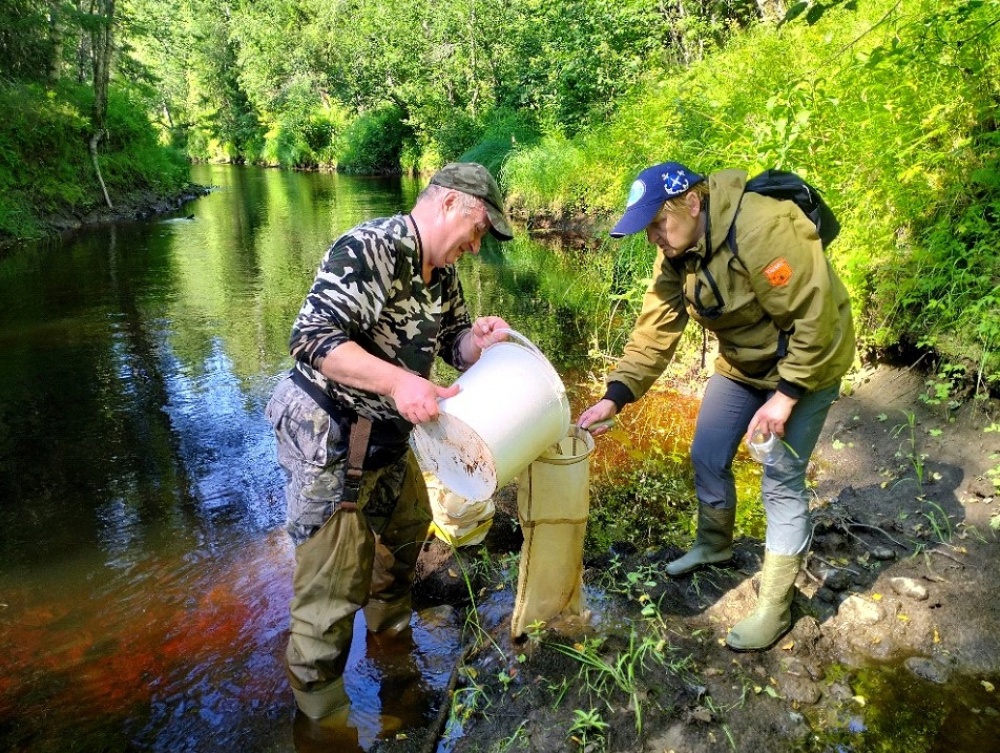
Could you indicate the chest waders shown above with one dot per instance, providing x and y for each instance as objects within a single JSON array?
[{"x": 339, "y": 567}]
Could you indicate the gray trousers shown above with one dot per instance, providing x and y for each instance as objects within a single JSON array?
[{"x": 725, "y": 413}]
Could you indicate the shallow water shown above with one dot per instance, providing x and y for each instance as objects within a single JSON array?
[{"x": 894, "y": 710}]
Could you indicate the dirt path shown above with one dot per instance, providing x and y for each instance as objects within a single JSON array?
[{"x": 895, "y": 618}]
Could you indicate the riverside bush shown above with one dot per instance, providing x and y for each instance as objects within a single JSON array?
[
  {"x": 374, "y": 142},
  {"x": 889, "y": 109}
]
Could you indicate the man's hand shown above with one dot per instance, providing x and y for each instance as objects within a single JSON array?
[
  {"x": 485, "y": 331},
  {"x": 417, "y": 398}
]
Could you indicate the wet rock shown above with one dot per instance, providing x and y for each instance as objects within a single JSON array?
[
  {"x": 810, "y": 669},
  {"x": 439, "y": 616},
  {"x": 799, "y": 689},
  {"x": 840, "y": 691},
  {"x": 815, "y": 669},
  {"x": 883, "y": 553},
  {"x": 827, "y": 595},
  {"x": 807, "y": 632},
  {"x": 836, "y": 580},
  {"x": 878, "y": 644},
  {"x": 909, "y": 588},
  {"x": 855, "y": 610},
  {"x": 927, "y": 669}
]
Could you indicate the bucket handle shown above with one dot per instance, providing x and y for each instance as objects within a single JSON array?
[
  {"x": 518, "y": 336},
  {"x": 523, "y": 340}
]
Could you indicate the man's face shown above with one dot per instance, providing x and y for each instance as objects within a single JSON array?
[{"x": 464, "y": 227}]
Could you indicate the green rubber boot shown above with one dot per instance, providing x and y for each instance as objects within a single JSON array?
[
  {"x": 325, "y": 702},
  {"x": 390, "y": 617},
  {"x": 773, "y": 616},
  {"x": 713, "y": 544}
]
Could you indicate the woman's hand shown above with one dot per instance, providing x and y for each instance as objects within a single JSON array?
[
  {"x": 602, "y": 410},
  {"x": 770, "y": 418}
]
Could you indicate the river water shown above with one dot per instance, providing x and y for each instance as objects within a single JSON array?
[{"x": 144, "y": 573}]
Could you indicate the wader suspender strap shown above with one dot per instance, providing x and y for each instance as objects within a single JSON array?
[{"x": 357, "y": 448}]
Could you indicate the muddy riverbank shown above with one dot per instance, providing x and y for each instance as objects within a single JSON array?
[{"x": 895, "y": 643}]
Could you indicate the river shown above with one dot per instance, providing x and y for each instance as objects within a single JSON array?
[{"x": 144, "y": 572}]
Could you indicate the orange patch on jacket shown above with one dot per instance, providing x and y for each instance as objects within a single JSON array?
[{"x": 778, "y": 272}]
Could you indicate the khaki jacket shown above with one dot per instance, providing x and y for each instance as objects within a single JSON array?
[{"x": 778, "y": 309}]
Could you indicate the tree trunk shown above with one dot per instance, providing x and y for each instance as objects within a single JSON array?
[
  {"x": 82, "y": 49},
  {"x": 771, "y": 11},
  {"x": 101, "y": 47},
  {"x": 94, "y": 140},
  {"x": 56, "y": 37}
]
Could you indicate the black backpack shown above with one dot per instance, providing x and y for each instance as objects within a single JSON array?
[{"x": 786, "y": 186}]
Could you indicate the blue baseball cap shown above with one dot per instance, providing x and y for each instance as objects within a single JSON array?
[{"x": 651, "y": 188}]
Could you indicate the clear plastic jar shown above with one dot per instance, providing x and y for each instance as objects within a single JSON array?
[{"x": 766, "y": 448}]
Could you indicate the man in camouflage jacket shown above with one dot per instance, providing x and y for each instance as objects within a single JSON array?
[{"x": 385, "y": 301}]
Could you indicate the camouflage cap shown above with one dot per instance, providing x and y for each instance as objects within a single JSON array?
[{"x": 475, "y": 180}]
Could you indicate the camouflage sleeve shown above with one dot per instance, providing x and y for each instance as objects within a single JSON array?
[
  {"x": 349, "y": 291},
  {"x": 454, "y": 322}
]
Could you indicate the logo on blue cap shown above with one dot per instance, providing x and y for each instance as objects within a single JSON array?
[
  {"x": 635, "y": 193},
  {"x": 676, "y": 183}
]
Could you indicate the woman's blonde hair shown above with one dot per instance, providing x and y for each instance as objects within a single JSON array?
[{"x": 678, "y": 204}]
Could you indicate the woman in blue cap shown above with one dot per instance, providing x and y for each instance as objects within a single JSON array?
[{"x": 782, "y": 317}]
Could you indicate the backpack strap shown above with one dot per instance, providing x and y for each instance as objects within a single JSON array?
[
  {"x": 782, "y": 349},
  {"x": 710, "y": 313},
  {"x": 731, "y": 235}
]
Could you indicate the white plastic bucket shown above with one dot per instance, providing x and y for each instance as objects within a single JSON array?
[{"x": 511, "y": 407}]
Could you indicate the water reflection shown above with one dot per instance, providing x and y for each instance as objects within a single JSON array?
[{"x": 144, "y": 575}]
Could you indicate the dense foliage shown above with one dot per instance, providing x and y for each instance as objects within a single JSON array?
[
  {"x": 72, "y": 134},
  {"x": 888, "y": 105}
]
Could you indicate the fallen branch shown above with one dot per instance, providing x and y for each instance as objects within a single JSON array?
[
  {"x": 949, "y": 556},
  {"x": 438, "y": 727},
  {"x": 855, "y": 524},
  {"x": 818, "y": 581}
]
